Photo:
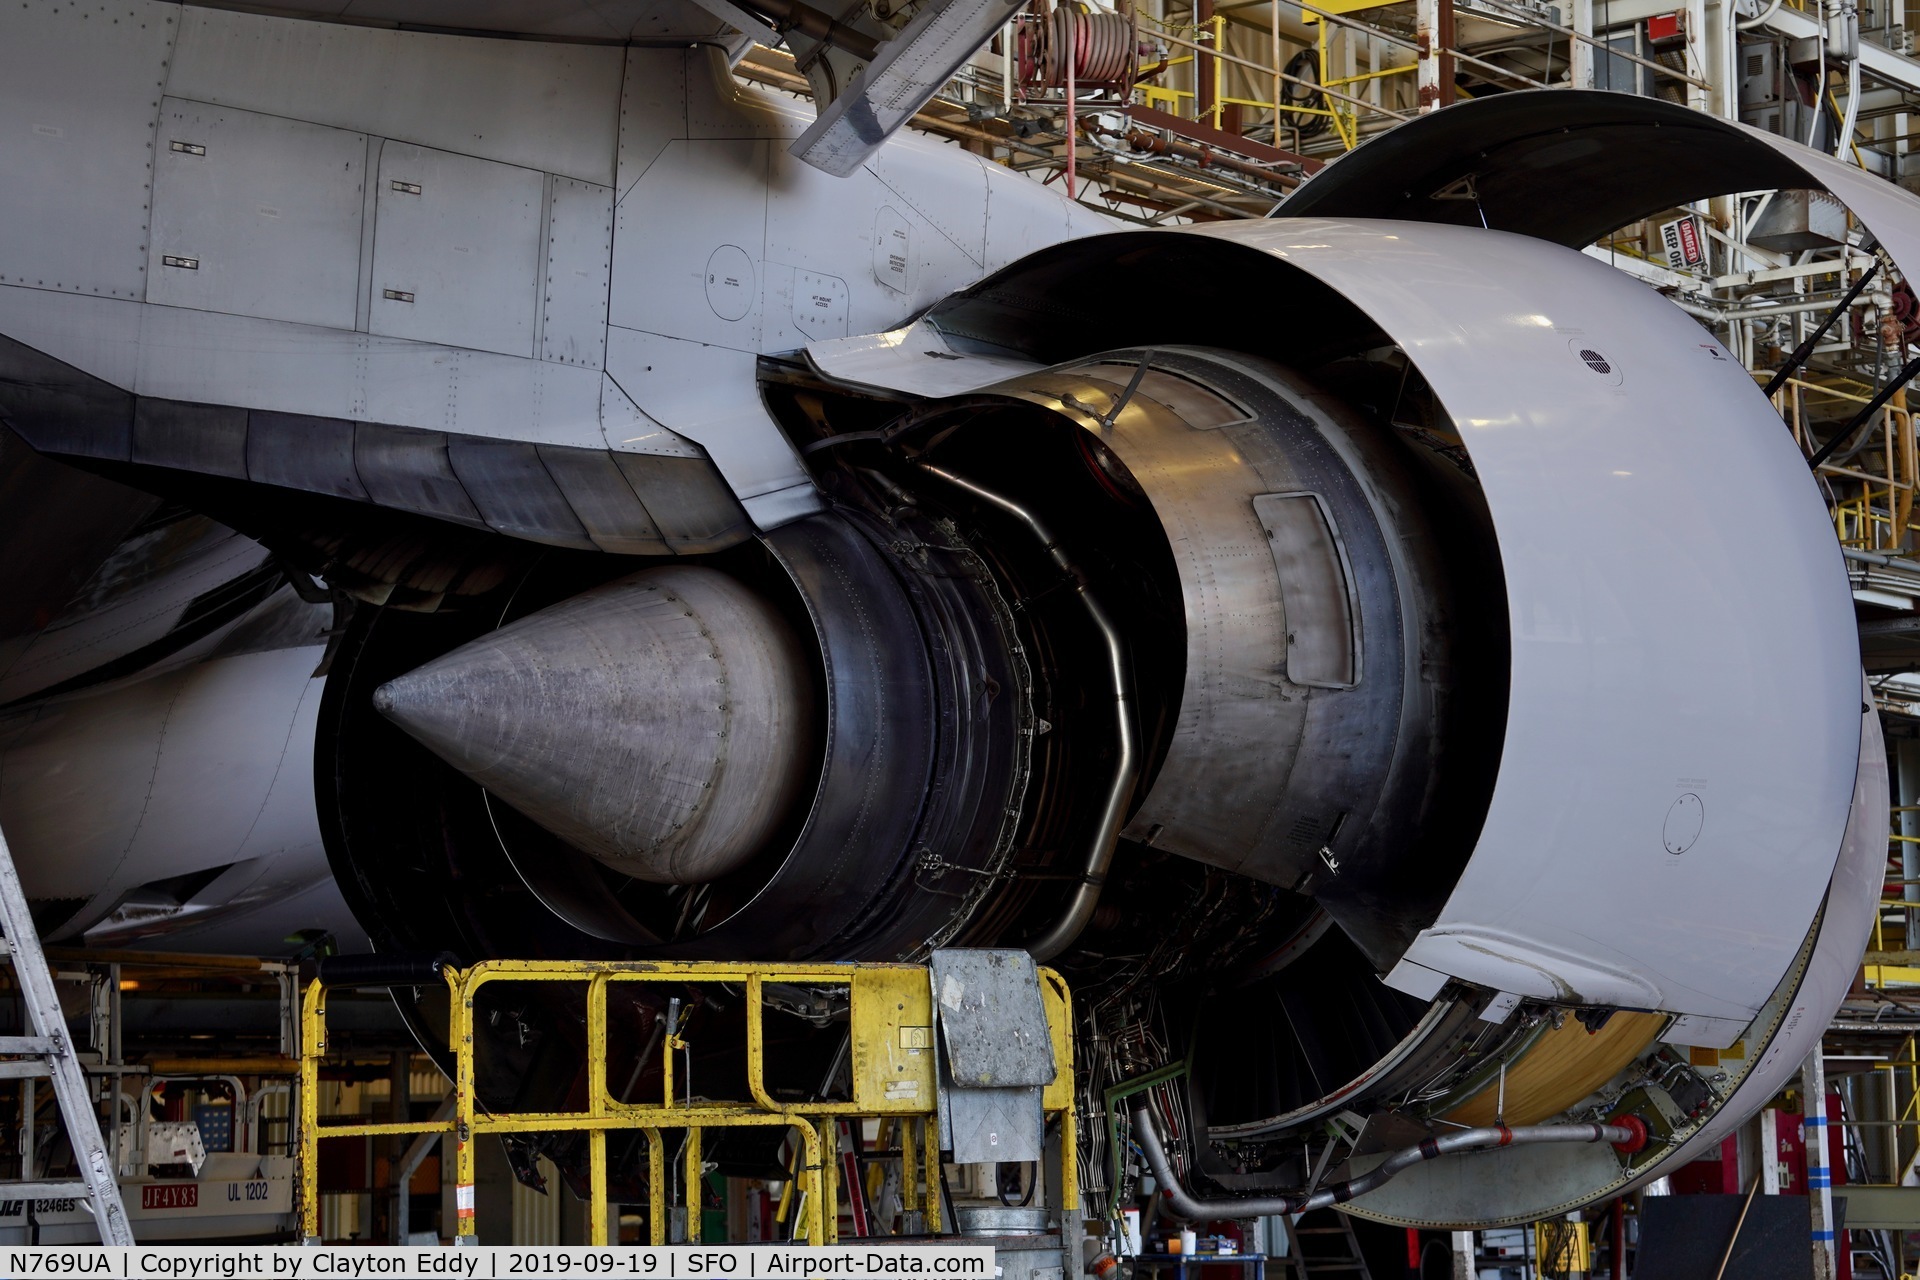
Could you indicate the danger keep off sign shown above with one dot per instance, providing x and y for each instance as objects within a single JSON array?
[{"x": 1681, "y": 240}]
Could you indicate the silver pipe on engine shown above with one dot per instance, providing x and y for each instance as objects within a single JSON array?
[
  {"x": 1185, "y": 1205},
  {"x": 1126, "y": 771}
]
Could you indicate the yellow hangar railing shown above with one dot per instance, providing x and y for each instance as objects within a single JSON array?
[{"x": 892, "y": 1065}]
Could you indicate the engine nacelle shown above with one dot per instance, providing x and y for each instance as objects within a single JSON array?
[
  {"x": 1359, "y": 662},
  {"x": 1367, "y": 677}
]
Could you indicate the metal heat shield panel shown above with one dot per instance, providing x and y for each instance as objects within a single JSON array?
[
  {"x": 80, "y": 102},
  {"x": 1323, "y": 646},
  {"x": 543, "y": 104},
  {"x": 573, "y": 300},
  {"x": 996, "y": 1054},
  {"x": 457, "y": 250},
  {"x": 993, "y": 1023},
  {"x": 256, "y": 216},
  {"x": 985, "y": 1126}
]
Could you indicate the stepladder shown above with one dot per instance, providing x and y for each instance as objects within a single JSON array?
[
  {"x": 48, "y": 1053},
  {"x": 1322, "y": 1243}
]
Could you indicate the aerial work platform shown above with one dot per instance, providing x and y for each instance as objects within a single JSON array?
[{"x": 969, "y": 1055}]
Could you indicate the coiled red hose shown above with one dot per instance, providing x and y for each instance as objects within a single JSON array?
[{"x": 1102, "y": 44}]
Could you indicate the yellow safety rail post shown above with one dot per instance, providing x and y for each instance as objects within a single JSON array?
[
  {"x": 604, "y": 1111},
  {"x": 930, "y": 1146},
  {"x": 1058, "y": 1097},
  {"x": 1883, "y": 974},
  {"x": 313, "y": 1047},
  {"x": 597, "y": 1225},
  {"x": 1343, "y": 108},
  {"x": 1169, "y": 33},
  {"x": 313, "y": 1022},
  {"x": 1900, "y": 1118},
  {"x": 1324, "y": 45},
  {"x": 1219, "y": 26},
  {"x": 1904, "y": 447},
  {"x": 1910, "y": 1114},
  {"x": 1879, "y": 514},
  {"x": 891, "y": 1065}
]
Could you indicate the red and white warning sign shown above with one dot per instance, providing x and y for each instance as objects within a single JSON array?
[{"x": 1681, "y": 240}]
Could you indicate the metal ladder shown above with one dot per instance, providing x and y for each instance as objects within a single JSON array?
[
  {"x": 48, "y": 1052},
  {"x": 1322, "y": 1225}
]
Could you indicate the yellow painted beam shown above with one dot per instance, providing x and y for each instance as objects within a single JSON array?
[{"x": 1344, "y": 7}]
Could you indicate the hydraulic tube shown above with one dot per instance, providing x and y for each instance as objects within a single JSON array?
[
  {"x": 1126, "y": 770},
  {"x": 1192, "y": 1208}
]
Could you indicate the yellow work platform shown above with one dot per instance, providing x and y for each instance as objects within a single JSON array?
[{"x": 891, "y": 1021}]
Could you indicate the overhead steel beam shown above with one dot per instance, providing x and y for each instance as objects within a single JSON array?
[{"x": 902, "y": 77}]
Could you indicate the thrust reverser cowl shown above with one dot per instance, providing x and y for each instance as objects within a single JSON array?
[{"x": 660, "y": 723}]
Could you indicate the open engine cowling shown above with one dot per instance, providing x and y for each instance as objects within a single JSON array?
[
  {"x": 1407, "y": 670},
  {"x": 1343, "y": 646}
]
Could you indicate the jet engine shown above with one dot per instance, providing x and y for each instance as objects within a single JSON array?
[
  {"x": 1396, "y": 667},
  {"x": 1375, "y": 711}
]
